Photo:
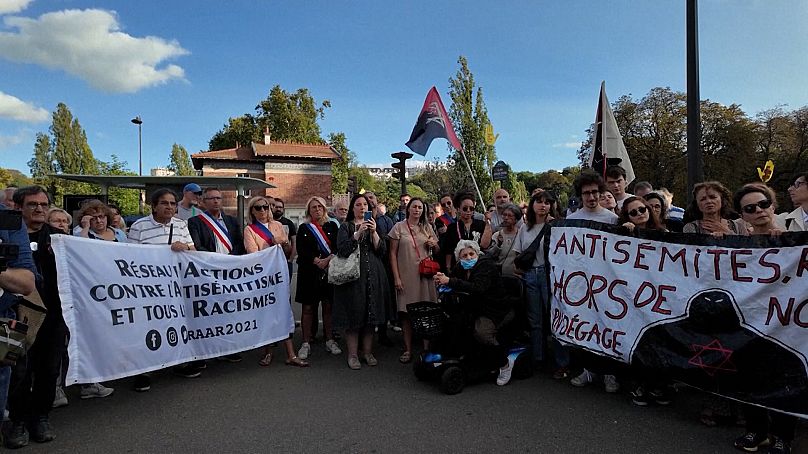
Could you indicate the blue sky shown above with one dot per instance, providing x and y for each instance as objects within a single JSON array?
[{"x": 185, "y": 67}]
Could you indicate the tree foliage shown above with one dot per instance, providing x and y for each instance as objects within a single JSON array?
[
  {"x": 340, "y": 167},
  {"x": 289, "y": 116},
  {"x": 180, "y": 162},
  {"x": 470, "y": 117},
  {"x": 435, "y": 180}
]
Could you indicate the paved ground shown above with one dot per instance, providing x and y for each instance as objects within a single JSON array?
[{"x": 329, "y": 408}]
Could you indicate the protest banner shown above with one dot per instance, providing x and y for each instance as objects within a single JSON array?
[
  {"x": 729, "y": 316},
  {"x": 134, "y": 308}
]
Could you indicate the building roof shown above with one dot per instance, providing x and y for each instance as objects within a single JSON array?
[{"x": 272, "y": 150}]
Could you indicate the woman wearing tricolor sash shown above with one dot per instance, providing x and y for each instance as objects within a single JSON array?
[
  {"x": 264, "y": 232},
  {"x": 316, "y": 242}
]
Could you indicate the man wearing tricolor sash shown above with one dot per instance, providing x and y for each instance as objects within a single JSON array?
[{"x": 214, "y": 231}]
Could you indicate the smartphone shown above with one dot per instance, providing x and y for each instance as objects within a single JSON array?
[{"x": 368, "y": 215}]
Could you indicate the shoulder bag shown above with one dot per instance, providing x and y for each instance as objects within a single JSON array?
[
  {"x": 343, "y": 270},
  {"x": 426, "y": 266},
  {"x": 525, "y": 259}
]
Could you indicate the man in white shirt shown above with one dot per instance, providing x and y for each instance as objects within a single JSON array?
[
  {"x": 588, "y": 187},
  {"x": 797, "y": 220},
  {"x": 616, "y": 182},
  {"x": 162, "y": 227}
]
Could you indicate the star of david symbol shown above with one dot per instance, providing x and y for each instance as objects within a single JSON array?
[{"x": 712, "y": 358}]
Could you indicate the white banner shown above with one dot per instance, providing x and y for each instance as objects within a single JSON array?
[{"x": 136, "y": 308}]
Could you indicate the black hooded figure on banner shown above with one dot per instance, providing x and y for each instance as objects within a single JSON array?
[{"x": 712, "y": 348}]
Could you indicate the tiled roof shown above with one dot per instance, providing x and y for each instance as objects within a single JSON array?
[{"x": 274, "y": 149}]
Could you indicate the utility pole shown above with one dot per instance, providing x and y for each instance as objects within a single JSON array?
[
  {"x": 139, "y": 124},
  {"x": 695, "y": 163}
]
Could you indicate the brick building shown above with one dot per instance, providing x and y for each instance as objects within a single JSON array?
[{"x": 298, "y": 171}]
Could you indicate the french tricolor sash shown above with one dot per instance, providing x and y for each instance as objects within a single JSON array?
[
  {"x": 262, "y": 231},
  {"x": 219, "y": 232},
  {"x": 319, "y": 235}
]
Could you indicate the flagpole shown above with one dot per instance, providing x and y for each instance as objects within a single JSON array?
[{"x": 474, "y": 180}]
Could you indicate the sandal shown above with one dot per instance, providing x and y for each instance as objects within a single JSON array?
[
  {"x": 266, "y": 360},
  {"x": 405, "y": 357},
  {"x": 297, "y": 362}
]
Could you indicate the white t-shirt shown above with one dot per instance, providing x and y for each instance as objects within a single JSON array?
[{"x": 600, "y": 215}]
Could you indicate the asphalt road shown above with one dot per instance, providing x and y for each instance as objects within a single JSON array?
[{"x": 329, "y": 408}]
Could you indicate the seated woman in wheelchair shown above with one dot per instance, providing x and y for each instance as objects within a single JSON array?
[{"x": 479, "y": 278}]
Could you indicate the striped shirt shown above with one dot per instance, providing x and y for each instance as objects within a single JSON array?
[{"x": 149, "y": 231}]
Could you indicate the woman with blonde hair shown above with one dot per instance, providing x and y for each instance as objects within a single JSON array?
[
  {"x": 316, "y": 243},
  {"x": 264, "y": 232},
  {"x": 59, "y": 219}
]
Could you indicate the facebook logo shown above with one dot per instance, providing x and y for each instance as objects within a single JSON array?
[{"x": 153, "y": 340}]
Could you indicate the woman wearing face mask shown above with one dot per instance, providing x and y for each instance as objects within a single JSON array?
[
  {"x": 479, "y": 277},
  {"x": 465, "y": 228}
]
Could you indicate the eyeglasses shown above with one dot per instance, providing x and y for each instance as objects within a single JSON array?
[
  {"x": 260, "y": 207},
  {"x": 34, "y": 205},
  {"x": 637, "y": 211},
  {"x": 752, "y": 207},
  {"x": 466, "y": 209},
  {"x": 593, "y": 193},
  {"x": 98, "y": 217},
  {"x": 797, "y": 184},
  {"x": 213, "y": 198},
  {"x": 446, "y": 204}
]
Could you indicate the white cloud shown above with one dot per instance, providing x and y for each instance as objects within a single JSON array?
[
  {"x": 575, "y": 145},
  {"x": 16, "y": 109},
  {"x": 16, "y": 139},
  {"x": 13, "y": 6},
  {"x": 89, "y": 44}
]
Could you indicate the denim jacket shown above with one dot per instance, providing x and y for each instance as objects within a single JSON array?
[{"x": 24, "y": 260}]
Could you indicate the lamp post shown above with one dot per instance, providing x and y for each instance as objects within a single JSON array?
[{"x": 139, "y": 124}]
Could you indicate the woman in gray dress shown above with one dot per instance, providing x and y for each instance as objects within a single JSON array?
[{"x": 364, "y": 303}]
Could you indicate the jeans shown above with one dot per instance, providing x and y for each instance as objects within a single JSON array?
[
  {"x": 538, "y": 304},
  {"x": 5, "y": 371}
]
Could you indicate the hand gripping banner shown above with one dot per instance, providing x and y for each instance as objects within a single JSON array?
[
  {"x": 729, "y": 316},
  {"x": 134, "y": 308}
]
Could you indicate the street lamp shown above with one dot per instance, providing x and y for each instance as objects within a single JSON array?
[{"x": 139, "y": 124}]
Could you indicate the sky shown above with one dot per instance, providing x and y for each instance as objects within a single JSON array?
[{"x": 185, "y": 67}]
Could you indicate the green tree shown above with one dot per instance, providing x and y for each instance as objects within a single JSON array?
[
  {"x": 435, "y": 180},
  {"x": 239, "y": 130},
  {"x": 516, "y": 188},
  {"x": 470, "y": 117},
  {"x": 291, "y": 116},
  {"x": 125, "y": 199},
  {"x": 340, "y": 167},
  {"x": 179, "y": 162}
]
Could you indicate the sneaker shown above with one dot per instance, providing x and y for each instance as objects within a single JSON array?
[
  {"x": 371, "y": 360},
  {"x": 234, "y": 358},
  {"x": 661, "y": 396},
  {"x": 583, "y": 379},
  {"x": 751, "y": 441},
  {"x": 60, "y": 400},
  {"x": 305, "y": 351},
  {"x": 332, "y": 347},
  {"x": 639, "y": 397},
  {"x": 188, "y": 371},
  {"x": 41, "y": 430},
  {"x": 779, "y": 446},
  {"x": 610, "y": 383},
  {"x": 95, "y": 390},
  {"x": 353, "y": 362},
  {"x": 505, "y": 373},
  {"x": 142, "y": 383},
  {"x": 16, "y": 436}
]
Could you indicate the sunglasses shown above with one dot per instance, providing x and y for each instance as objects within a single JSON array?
[
  {"x": 797, "y": 184},
  {"x": 446, "y": 204},
  {"x": 637, "y": 211},
  {"x": 260, "y": 207},
  {"x": 466, "y": 209},
  {"x": 752, "y": 207}
]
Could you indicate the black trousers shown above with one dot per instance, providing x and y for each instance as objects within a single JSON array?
[
  {"x": 33, "y": 379},
  {"x": 781, "y": 426}
]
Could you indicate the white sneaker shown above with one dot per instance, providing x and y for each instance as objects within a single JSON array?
[
  {"x": 505, "y": 373},
  {"x": 610, "y": 383},
  {"x": 60, "y": 400},
  {"x": 304, "y": 351},
  {"x": 332, "y": 347},
  {"x": 583, "y": 379},
  {"x": 95, "y": 390}
]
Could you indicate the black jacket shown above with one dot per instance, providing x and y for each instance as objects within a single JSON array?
[
  {"x": 204, "y": 239},
  {"x": 484, "y": 285}
]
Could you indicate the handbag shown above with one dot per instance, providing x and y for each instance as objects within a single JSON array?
[
  {"x": 426, "y": 266},
  {"x": 525, "y": 259},
  {"x": 343, "y": 270}
]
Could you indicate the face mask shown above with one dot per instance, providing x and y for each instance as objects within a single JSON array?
[{"x": 468, "y": 264}]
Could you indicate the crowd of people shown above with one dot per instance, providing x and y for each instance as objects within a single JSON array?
[{"x": 403, "y": 257}]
